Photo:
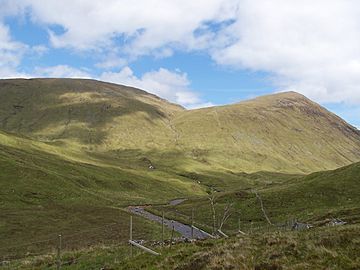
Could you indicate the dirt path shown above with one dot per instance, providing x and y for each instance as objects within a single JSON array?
[{"x": 183, "y": 229}]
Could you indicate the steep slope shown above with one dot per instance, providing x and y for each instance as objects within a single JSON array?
[
  {"x": 72, "y": 151},
  {"x": 284, "y": 132},
  {"x": 85, "y": 113},
  {"x": 44, "y": 193},
  {"x": 121, "y": 125}
]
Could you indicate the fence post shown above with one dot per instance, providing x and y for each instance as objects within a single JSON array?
[
  {"x": 239, "y": 229},
  {"x": 131, "y": 236},
  {"x": 192, "y": 223},
  {"x": 162, "y": 228},
  {"x": 58, "y": 262},
  {"x": 172, "y": 233}
]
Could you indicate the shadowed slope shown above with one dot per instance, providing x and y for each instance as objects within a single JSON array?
[
  {"x": 85, "y": 113},
  {"x": 44, "y": 194},
  {"x": 284, "y": 132}
]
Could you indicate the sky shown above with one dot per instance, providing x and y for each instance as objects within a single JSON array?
[{"x": 195, "y": 53}]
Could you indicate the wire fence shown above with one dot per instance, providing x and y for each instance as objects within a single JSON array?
[
  {"x": 60, "y": 250},
  {"x": 50, "y": 250},
  {"x": 66, "y": 249}
]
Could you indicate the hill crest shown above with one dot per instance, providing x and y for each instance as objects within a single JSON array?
[{"x": 283, "y": 132}]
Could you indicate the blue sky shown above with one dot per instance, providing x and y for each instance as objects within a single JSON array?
[{"x": 196, "y": 53}]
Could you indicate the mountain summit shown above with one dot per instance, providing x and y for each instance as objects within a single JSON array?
[{"x": 284, "y": 132}]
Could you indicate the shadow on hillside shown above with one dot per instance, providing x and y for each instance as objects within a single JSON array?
[{"x": 42, "y": 107}]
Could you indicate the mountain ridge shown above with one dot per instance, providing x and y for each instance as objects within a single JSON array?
[{"x": 282, "y": 132}]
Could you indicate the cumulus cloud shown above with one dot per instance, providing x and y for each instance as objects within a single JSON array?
[
  {"x": 145, "y": 24},
  {"x": 112, "y": 62},
  {"x": 11, "y": 53},
  {"x": 172, "y": 85},
  {"x": 60, "y": 71},
  {"x": 308, "y": 46}
]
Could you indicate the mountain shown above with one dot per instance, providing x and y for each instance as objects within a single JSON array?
[
  {"x": 74, "y": 153},
  {"x": 84, "y": 113},
  {"x": 284, "y": 132}
]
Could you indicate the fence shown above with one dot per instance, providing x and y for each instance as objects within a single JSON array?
[{"x": 66, "y": 249}]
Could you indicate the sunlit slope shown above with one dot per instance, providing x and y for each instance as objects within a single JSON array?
[
  {"x": 284, "y": 132},
  {"x": 43, "y": 192},
  {"x": 85, "y": 113},
  {"x": 121, "y": 125},
  {"x": 28, "y": 168},
  {"x": 312, "y": 198}
]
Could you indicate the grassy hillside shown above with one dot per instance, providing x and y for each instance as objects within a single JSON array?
[
  {"x": 83, "y": 113},
  {"x": 284, "y": 132},
  {"x": 74, "y": 153},
  {"x": 325, "y": 248},
  {"x": 314, "y": 198},
  {"x": 279, "y": 133},
  {"x": 322, "y": 248},
  {"x": 42, "y": 195}
]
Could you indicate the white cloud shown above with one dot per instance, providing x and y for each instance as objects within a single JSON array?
[
  {"x": 39, "y": 50},
  {"x": 173, "y": 86},
  {"x": 60, "y": 71},
  {"x": 309, "y": 46},
  {"x": 112, "y": 62},
  {"x": 201, "y": 105},
  {"x": 11, "y": 53},
  {"x": 146, "y": 25}
]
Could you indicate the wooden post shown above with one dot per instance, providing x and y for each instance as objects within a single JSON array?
[
  {"x": 223, "y": 234},
  {"x": 172, "y": 233},
  {"x": 192, "y": 223},
  {"x": 239, "y": 227},
  {"x": 148, "y": 250},
  {"x": 162, "y": 228},
  {"x": 131, "y": 236},
  {"x": 58, "y": 263}
]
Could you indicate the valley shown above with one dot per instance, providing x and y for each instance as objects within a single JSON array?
[{"x": 75, "y": 154}]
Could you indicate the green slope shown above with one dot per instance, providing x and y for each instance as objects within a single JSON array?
[
  {"x": 325, "y": 248},
  {"x": 72, "y": 150},
  {"x": 313, "y": 198},
  {"x": 84, "y": 113},
  {"x": 284, "y": 132},
  {"x": 280, "y": 133},
  {"x": 43, "y": 195}
]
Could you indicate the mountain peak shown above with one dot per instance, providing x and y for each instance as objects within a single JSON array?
[{"x": 284, "y": 95}]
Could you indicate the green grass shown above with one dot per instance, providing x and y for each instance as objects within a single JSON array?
[
  {"x": 320, "y": 248},
  {"x": 285, "y": 132},
  {"x": 43, "y": 195},
  {"x": 313, "y": 198},
  {"x": 75, "y": 153}
]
